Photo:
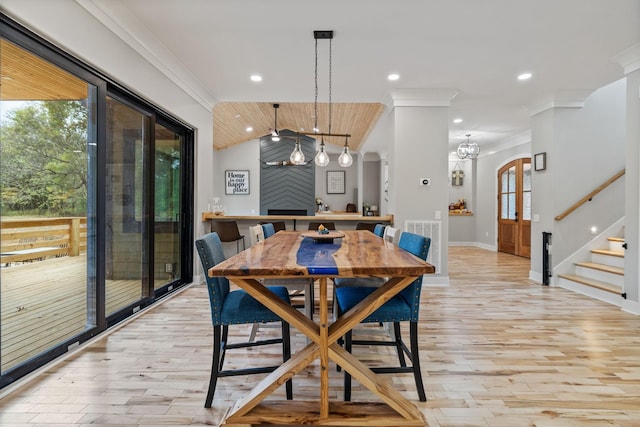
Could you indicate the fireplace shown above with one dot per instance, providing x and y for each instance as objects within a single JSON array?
[{"x": 288, "y": 212}]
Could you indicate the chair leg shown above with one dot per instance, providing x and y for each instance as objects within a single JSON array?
[
  {"x": 347, "y": 376},
  {"x": 215, "y": 365},
  {"x": 286, "y": 355},
  {"x": 398, "y": 339},
  {"x": 415, "y": 360},
  {"x": 309, "y": 299},
  {"x": 223, "y": 345},
  {"x": 254, "y": 330}
]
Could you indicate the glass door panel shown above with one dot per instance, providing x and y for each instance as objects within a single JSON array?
[
  {"x": 47, "y": 190},
  {"x": 167, "y": 203},
  {"x": 126, "y": 278}
]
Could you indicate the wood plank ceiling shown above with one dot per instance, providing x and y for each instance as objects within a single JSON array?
[
  {"x": 26, "y": 77},
  {"x": 231, "y": 119}
]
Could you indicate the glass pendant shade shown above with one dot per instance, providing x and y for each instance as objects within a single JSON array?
[
  {"x": 468, "y": 150},
  {"x": 345, "y": 160},
  {"x": 463, "y": 149},
  {"x": 322, "y": 158},
  {"x": 297, "y": 156},
  {"x": 473, "y": 151}
]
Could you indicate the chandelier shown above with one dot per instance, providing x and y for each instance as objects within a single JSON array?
[
  {"x": 322, "y": 158},
  {"x": 468, "y": 150}
]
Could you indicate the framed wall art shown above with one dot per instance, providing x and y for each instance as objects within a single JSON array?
[
  {"x": 335, "y": 182},
  {"x": 236, "y": 182},
  {"x": 540, "y": 161}
]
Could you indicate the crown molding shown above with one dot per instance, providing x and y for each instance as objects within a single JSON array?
[
  {"x": 423, "y": 97},
  {"x": 133, "y": 34},
  {"x": 560, "y": 99},
  {"x": 629, "y": 59}
]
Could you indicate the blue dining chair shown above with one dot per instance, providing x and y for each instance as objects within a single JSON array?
[
  {"x": 403, "y": 307},
  {"x": 378, "y": 230},
  {"x": 268, "y": 229},
  {"x": 236, "y": 307}
]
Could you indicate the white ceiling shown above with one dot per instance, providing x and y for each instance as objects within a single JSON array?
[{"x": 477, "y": 47}]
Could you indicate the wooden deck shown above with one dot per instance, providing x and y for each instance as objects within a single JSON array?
[{"x": 43, "y": 303}]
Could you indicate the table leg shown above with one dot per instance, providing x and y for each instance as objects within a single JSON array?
[{"x": 324, "y": 350}]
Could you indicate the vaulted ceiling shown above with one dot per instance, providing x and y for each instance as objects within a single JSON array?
[{"x": 231, "y": 120}]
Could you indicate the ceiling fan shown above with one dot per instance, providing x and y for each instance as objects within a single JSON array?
[{"x": 275, "y": 135}]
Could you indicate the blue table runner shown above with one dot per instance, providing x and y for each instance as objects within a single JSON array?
[{"x": 317, "y": 257}]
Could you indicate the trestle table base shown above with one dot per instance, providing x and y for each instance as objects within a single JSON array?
[{"x": 395, "y": 410}]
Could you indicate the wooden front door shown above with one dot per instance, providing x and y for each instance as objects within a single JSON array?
[{"x": 514, "y": 208}]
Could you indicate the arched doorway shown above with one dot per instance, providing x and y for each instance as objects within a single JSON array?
[{"x": 514, "y": 208}]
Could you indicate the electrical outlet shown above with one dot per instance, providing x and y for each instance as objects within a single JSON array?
[{"x": 168, "y": 267}]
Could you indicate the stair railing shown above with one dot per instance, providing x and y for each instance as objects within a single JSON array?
[{"x": 590, "y": 196}]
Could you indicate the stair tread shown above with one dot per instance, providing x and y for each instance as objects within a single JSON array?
[
  {"x": 593, "y": 283},
  {"x": 616, "y": 239},
  {"x": 608, "y": 252},
  {"x": 601, "y": 267}
]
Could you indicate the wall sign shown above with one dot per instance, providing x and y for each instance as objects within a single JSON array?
[
  {"x": 236, "y": 182},
  {"x": 335, "y": 182}
]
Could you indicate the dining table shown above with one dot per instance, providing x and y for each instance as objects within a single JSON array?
[{"x": 294, "y": 254}]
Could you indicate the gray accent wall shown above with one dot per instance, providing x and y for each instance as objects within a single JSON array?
[{"x": 286, "y": 187}]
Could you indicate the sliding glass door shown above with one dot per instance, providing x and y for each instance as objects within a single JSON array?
[
  {"x": 96, "y": 202},
  {"x": 48, "y": 146}
]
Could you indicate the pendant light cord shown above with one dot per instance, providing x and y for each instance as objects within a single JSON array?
[
  {"x": 315, "y": 102},
  {"x": 330, "y": 63}
]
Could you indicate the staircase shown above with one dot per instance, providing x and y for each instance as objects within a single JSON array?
[{"x": 602, "y": 277}]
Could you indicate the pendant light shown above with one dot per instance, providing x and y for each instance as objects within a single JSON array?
[
  {"x": 322, "y": 158},
  {"x": 297, "y": 156},
  {"x": 345, "y": 160},
  {"x": 468, "y": 150}
]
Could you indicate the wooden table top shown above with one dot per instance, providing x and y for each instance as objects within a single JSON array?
[{"x": 290, "y": 254}]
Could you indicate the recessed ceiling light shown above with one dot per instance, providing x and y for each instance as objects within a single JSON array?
[
  {"x": 457, "y": 120},
  {"x": 256, "y": 78},
  {"x": 249, "y": 129},
  {"x": 393, "y": 77},
  {"x": 524, "y": 76}
]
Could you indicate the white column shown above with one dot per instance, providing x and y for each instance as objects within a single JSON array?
[
  {"x": 630, "y": 61},
  {"x": 420, "y": 150}
]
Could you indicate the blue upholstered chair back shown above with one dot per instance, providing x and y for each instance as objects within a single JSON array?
[
  {"x": 378, "y": 230},
  {"x": 269, "y": 230},
  {"x": 210, "y": 250},
  {"x": 418, "y": 246}
]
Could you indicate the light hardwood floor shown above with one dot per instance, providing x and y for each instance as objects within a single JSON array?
[{"x": 497, "y": 350}]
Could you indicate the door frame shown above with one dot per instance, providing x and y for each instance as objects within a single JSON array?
[{"x": 524, "y": 157}]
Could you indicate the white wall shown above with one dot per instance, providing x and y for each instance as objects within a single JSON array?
[
  {"x": 421, "y": 150},
  {"x": 585, "y": 146},
  {"x": 245, "y": 156},
  {"x": 632, "y": 193}
]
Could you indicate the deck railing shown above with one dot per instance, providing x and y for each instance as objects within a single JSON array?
[{"x": 33, "y": 239}]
